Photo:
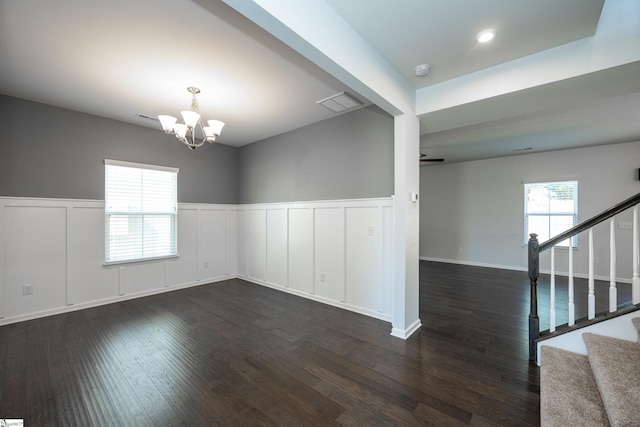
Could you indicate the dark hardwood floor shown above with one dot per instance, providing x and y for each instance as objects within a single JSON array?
[{"x": 235, "y": 353}]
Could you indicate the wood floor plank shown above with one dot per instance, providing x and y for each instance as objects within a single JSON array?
[
  {"x": 236, "y": 353},
  {"x": 14, "y": 391},
  {"x": 40, "y": 388}
]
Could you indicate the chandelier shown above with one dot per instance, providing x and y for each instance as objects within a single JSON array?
[{"x": 185, "y": 132}]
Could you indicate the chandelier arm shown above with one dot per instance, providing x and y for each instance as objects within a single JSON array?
[
  {"x": 193, "y": 138},
  {"x": 204, "y": 134},
  {"x": 194, "y": 143}
]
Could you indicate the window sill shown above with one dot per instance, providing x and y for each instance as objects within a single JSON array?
[{"x": 139, "y": 260}]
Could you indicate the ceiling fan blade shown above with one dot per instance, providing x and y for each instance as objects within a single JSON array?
[{"x": 423, "y": 160}]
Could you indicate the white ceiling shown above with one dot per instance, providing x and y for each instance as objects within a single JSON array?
[
  {"x": 443, "y": 33},
  {"x": 119, "y": 58}
]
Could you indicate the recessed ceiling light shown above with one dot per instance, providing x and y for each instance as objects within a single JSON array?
[{"x": 486, "y": 36}]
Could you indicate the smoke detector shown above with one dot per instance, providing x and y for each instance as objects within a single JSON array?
[{"x": 422, "y": 70}]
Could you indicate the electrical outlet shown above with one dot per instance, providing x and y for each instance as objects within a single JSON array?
[
  {"x": 205, "y": 264},
  {"x": 625, "y": 225},
  {"x": 322, "y": 277},
  {"x": 27, "y": 289},
  {"x": 370, "y": 230}
]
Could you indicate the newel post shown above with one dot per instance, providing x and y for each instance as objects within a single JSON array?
[{"x": 534, "y": 321}]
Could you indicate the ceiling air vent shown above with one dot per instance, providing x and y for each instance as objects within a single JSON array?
[
  {"x": 144, "y": 116},
  {"x": 340, "y": 103}
]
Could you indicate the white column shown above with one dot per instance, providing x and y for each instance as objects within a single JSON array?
[{"x": 405, "y": 315}]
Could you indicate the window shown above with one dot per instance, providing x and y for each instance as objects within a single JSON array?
[
  {"x": 140, "y": 211},
  {"x": 549, "y": 209}
]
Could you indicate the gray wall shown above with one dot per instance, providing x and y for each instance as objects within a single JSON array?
[
  {"x": 52, "y": 152},
  {"x": 347, "y": 157},
  {"x": 473, "y": 212}
]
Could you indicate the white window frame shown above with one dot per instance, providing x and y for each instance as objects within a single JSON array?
[
  {"x": 569, "y": 212},
  {"x": 127, "y": 204}
]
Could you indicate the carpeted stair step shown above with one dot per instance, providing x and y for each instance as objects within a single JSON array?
[
  {"x": 616, "y": 368},
  {"x": 568, "y": 391}
]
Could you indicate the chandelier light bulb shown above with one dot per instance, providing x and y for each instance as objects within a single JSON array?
[
  {"x": 167, "y": 122},
  {"x": 190, "y": 118},
  {"x": 180, "y": 130},
  {"x": 216, "y": 126}
]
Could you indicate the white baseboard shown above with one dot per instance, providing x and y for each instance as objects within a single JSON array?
[
  {"x": 517, "y": 268},
  {"x": 360, "y": 310},
  {"x": 105, "y": 301},
  {"x": 406, "y": 333},
  {"x": 472, "y": 263}
]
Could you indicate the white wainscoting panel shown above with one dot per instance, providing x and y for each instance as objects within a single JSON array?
[
  {"x": 329, "y": 253},
  {"x": 212, "y": 243},
  {"x": 242, "y": 242},
  {"x": 387, "y": 259},
  {"x": 301, "y": 250},
  {"x": 57, "y": 246},
  {"x": 87, "y": 279},
  {"x": 184, "y": 269},
  {"x": 232, "y": 242},
  {"x": 337, "y": 252},
  {"x": 36, "y": 255},
  {"x": 320, "y": 250},
  {"x": 141, "y": 278},
  {"x": 276, "y": 261},
  {"x": 364, "y": 257},
  {"x": 256, "y": 246}
]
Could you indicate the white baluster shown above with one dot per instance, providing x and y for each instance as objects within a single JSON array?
[
  {"x": 613, "y": 291},
  {"x": 592, "y": 296},
  {"x": 552, "y": 292},
  {"x": 572, "y": 306},
  {"x": 635, "y": 282}
]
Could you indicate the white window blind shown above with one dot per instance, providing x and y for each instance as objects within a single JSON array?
[
  {"x": 549, "y": 209},
  {"x": 140, "y": 211}
]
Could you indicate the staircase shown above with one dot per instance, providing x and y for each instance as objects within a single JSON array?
[
  {"x": 534, "y": 250},
  {"x": 599, "y": 389}
]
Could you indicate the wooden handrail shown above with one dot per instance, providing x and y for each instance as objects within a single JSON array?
[{"x": 585, "y": 225}]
